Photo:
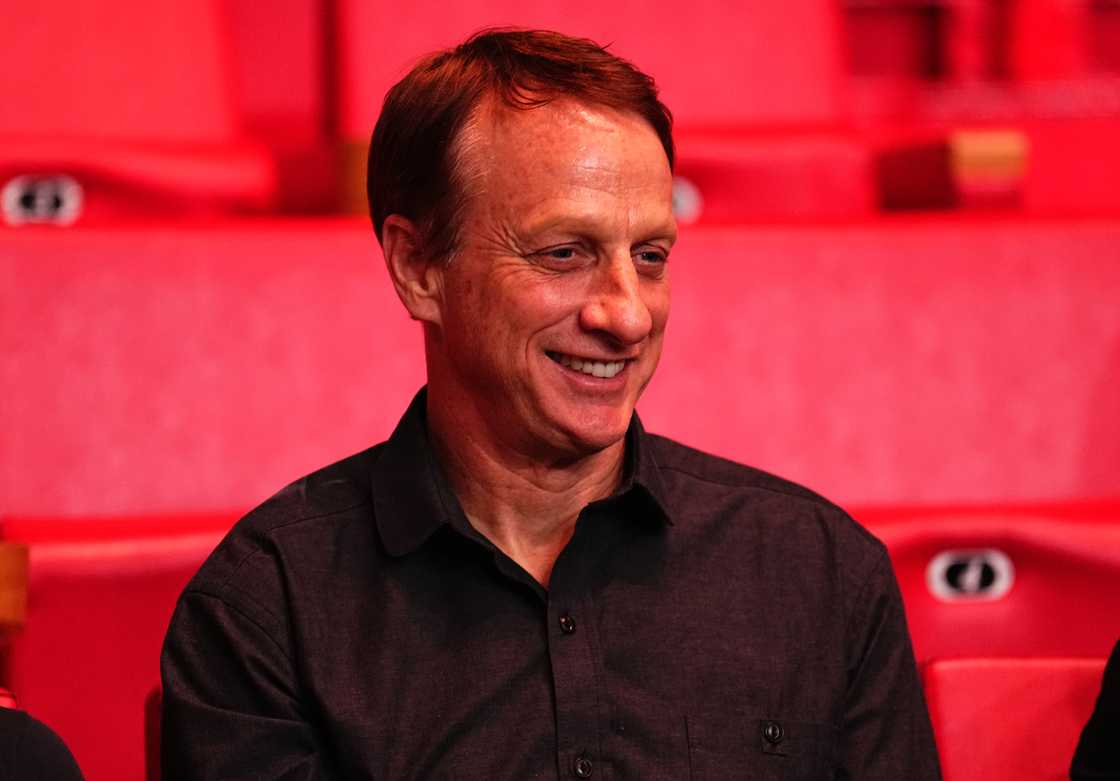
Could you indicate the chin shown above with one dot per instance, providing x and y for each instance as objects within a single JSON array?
[{"x": 597, "y": 429}]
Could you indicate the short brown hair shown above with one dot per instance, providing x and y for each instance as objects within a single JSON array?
[{"x": 412, "y": 169}]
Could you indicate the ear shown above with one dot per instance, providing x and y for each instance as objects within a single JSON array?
[{"x": 417, "y": 279}]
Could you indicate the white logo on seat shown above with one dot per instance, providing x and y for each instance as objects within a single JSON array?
[
  {"x": 687, "y": 201},
  {"x": 41, "y": 199},
  {"x": 980, "y": 574}
]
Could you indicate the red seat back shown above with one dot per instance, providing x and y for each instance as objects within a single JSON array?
[
  {"x": 718, "y": 65},
  {"x": 1009, "y": 719},
  {"x": 716, "y": 62},
  {"x": 751, "y": 176},
  {"x": 1027, "y": 581},
  {"x": 929, "y": 361},
  {"x": 98, "y": 607},
  {"x": 136, "y": 104}
]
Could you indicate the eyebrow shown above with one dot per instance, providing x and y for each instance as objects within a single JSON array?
[{"x": 586, "y": 225}]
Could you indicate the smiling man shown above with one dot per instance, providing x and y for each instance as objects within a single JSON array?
[{"x": 521, "y": 582}]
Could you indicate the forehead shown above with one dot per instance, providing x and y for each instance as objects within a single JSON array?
[
  {"x": 563, "y": 149},
  {"x": 559, "y": 120}
]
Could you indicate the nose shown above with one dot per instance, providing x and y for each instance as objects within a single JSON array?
[{"x": 615, "y": 306}]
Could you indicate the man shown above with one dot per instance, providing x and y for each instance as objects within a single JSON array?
[{"x": 522, "y": 583}]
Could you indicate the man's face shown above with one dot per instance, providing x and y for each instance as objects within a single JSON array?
[{"x": 554, "y": 309}]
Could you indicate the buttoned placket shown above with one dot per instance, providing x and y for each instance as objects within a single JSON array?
[
  {"x": 581, "y": 715},
  {"x": 574, "y": 669}
]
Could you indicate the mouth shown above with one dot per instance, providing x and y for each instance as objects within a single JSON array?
[{"x": 588, "y": 366}]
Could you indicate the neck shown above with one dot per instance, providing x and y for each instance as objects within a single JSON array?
[{"x": 525, "y": 504}]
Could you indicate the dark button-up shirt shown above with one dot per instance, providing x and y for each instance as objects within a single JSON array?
[{"x": 706, "y": 621}]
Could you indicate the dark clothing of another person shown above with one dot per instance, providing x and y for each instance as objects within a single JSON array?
[
  {"x": 31, "y": 751},
  {"x": 706, "y": 621},
  {"x": 1098, "y": 751}
]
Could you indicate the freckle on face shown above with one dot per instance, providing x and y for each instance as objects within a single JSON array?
[{"x": 563, "y": 174}]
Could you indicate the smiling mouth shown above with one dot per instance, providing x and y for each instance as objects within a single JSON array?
[{"x": 604, "y": 369}]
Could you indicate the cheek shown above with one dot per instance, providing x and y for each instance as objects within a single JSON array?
[
  {"x": 472, "y": 322},
  {"x": 534, "y": 305},
  {"x": 501, "y": 319},
  {"x": 657, "y": 300},
  {"x": 476, "y": 304}
]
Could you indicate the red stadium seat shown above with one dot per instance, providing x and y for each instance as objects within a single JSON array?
[
  {"x": 1049, "y": 39},
  {"x": 1046, "y": 168},
  {"x": 49, "y": 530},
  {"x": 902, "y": 362},
  {"x": 1044, "y": 69},
  {"x": 7, "y": 699},
  {"x": 735, "y": 177},
  {"x": 1073, "y": 167},
  {"x": 894, "y": 39},
  {"x": 717, "y": 63},
  {"x": 1009, "y": 719},
  {"x": 281, "y": 56},
  {"x": 884, "y": 363},
  {"x": 720, "y": 66},
  {"x": 112, "y": 112},
  {"x": 963, "y": 40},
  {"x": 98, "y": 607},
  {"x": 1013, "y": 581}
]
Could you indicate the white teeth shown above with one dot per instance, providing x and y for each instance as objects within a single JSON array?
[{"x": 594, "y": 368}]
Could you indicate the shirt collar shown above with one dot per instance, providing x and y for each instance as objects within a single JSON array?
[
  {"x": 641, "y": 476},
  {"x": 412, "y": 498}
]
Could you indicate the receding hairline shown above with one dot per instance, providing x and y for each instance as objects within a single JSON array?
[{"x": 468, "y": 169}]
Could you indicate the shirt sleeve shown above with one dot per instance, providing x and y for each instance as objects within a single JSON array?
[
  {"x": 231, "y": 706},
  {"x": 32, "y": 751},
  {"x": 1098, "y": 750},
  {"x": 886, "y": 728}
]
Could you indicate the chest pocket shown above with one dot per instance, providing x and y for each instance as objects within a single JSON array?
[{"x": 762, "y": 750}]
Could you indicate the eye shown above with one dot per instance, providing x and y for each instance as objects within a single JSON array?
[
  {"x": 562, "y": 258},
  {"x": 652, "y": 256},
  {"x": 651, "y": 261}
]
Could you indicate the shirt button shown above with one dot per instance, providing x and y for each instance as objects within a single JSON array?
[
  {"x": 567, "y": 624},
  {"x": 773, "y": 732},
  {"x": 583, "y": 767}
]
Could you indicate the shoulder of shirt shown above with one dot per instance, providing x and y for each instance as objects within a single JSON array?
[
  {"x": 334, "y": 489},
  {"x": 28, "y": 746},
  {"x": 329, "y": 497},
  {"x": 706, "y": 468}
]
